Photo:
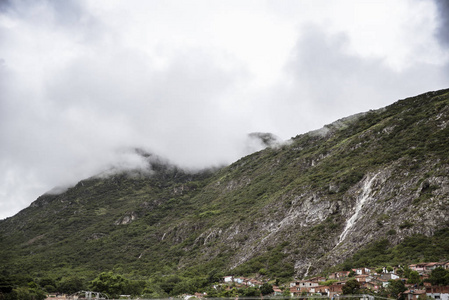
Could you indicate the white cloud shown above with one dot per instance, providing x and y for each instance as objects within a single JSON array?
[{"x": 81, "y": 81}]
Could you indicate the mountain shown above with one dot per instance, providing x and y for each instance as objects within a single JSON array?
[{"x": 376, "y": 180}]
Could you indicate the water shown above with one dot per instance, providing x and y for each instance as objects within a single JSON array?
[{"x": 361, "y": 200}]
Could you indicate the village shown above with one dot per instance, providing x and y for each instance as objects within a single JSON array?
[
  {"x": 374, "y": 281},
  {"x": 423, "y": 281}
]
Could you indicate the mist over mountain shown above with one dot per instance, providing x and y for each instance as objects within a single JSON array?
[
  {"x": 83, "y": 82},
  {"x": 293, "y": 209}
]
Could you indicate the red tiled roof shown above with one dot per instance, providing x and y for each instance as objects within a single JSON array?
[
  {"x": 437, "y": 289},
  {"x": 415, "y": 292}
]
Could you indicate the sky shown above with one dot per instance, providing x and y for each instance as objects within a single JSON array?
[{"x": 83, "y": 82}]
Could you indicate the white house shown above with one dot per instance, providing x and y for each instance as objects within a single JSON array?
[{"x": 303, "y": 284}]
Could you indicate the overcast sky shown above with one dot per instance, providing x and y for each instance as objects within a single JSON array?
[{"x": 82, "y": 82}]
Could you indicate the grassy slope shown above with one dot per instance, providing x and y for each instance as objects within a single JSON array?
[{"x": 76, "y": 230}]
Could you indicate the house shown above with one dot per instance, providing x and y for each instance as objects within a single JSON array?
[
  {"x": 381, "y": 282},
  {"x": 413, "y": 294},
  {"x": 433, "y": 265},
  {"x": 311, "y": 290},
  {"x": 410, "y": 286},
  {"x": 385, "y": 270},
  {"x": 339, "y": 275},
  {"x": 335, "y": 289},
  {"x": 418, "y": 267},
  {"x": 371, "y": 286},
  {"x": 303, "y": 283},
  {"x": 277, "y": 291},
  {"x": 239, "y": 280},
  {"x": 363, "y": 278},
  {"x": 200, "y": 295},
  {"x": 253, "y": 282},
  {"x": 297, "y": 291},
  {"x": 362, "y": 271},
  {"x": 317, "y": 279},
  {"x": 438, "y": 292},
  {"x": 428, "y": 267},
  {"x": 294, "y": 283},
  {"x": 389, "y": 276},
  {"x": 55, "y": 296},
  {"x": 321, "y": 289}
]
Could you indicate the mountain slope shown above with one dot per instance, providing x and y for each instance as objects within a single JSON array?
[{"x": 294, "y": 209}]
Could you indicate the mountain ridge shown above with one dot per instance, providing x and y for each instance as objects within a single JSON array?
[{"x": 284, "y": 209}]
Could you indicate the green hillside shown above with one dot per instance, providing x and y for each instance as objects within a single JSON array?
[{"x": 279, "y": 212}]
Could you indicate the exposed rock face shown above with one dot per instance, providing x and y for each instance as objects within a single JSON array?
[
  {"x": 390, "y": 200},
  {"x": 126, "y": 219}
]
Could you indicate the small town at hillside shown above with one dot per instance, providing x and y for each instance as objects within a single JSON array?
[
  {"x": 423, "y": 281},
  {"x": 417, "y": 284}
]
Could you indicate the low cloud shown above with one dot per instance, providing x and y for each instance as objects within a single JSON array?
[
  {"x": 85, "y": 83},
  {"x": 79, "y": 124}
]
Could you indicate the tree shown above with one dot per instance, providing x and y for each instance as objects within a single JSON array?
[
  {"x": 414, "y": 278},
  {"x": 266, "y": 289},
  {"x": 49, "y": 288},
  {"x": 134, "y": 287},
  {"x": 153, "y": 290},
  {"x": 329, "y": 282},
  {"x": 109, "y": 283},
  {"x": 70, "y": 285},
  {"x": 48, "y": 284},
  {"x": 27, "y": 293},
  {"x": 439, "y": 276},
  {"x": 407, "y": 271},
  {"x": 351, "y": 286},
  {"x": 286, "y": 293},
  {"x": 6, "y": 285},
  {"x": 396, "y": 288},
  {"x": 229, "y": 293},
  {"x": 183, "y": 287},
  {"x": 47, "y": 281},
  {"x": 214, "y": 276},
  {"x": 424, "y": 297},
  {"x": 249, "y": 292}
]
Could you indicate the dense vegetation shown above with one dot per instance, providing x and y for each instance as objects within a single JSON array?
[
  {"x": 165, "y": 230},
  {"x": 415, "y": 248}
]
